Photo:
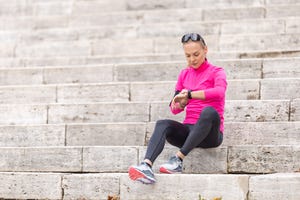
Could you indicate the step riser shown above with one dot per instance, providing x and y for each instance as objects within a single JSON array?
[
  {"x": 156, "y": 91},
  {"x": 235, "y": 111},
  {"x": 232, "y": 159},
  {"x": 215, "y": 57},
  {"x": 224, "y": 43},
  {"x": 175, "y": 29},
  {"x": 138, "y": 134},
  {"x": 99, "y": 186},
  {"x": 235, "y": 69},
  {"x": 274, "y": 187}
]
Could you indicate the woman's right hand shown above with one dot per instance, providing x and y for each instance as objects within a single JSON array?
[{"x": 180, "y": 101}]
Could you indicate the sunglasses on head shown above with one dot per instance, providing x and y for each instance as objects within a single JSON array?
[{"x": 192, "y": 36}]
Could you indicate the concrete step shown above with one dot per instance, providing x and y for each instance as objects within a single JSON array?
[
  {"x": 123, "y": 46},
  {"x": 239, "y": 89},
  {"x": 78, "y": 7},
  {"x": 262, "y": 42},
  {"x": 288, "y": 88},
  {"x": 103, "y": 15},
  {"x": 240, "y": 111},
  {"x": 138, "y": 134},
  {"x": 254, "y": 159},
  {"x": 213, "y": 56},
  {"x": 122, "y": 92},
  {"x": 30, "y": 185},
  {"x": 235, "y": 111},
  {"x": 100, "y": 185},
  {"x": 249, "y": 133},
  {"x": 181, "y": 14},
  {"x": 279, "y": 68},
  {"x": 274, "y": 186},
  {"x": 32, "y": 135},
  {"x": 174, "y": 29},
  {"x": 155, "y": 71}
]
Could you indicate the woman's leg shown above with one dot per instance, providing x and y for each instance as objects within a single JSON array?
[
  {"x": 205, "y": 133},
  {"x": 175, "y": 132}
]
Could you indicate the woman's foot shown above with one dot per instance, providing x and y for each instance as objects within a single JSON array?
[
  {"x": 142, "y": 173},
  {"x": 174, "y": 165}
]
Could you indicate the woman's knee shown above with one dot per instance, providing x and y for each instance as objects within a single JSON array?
[
  {"x": 167, "y": 127},
  {"x": 209, "y": 112},
  {"x": 163, "y": 123}
]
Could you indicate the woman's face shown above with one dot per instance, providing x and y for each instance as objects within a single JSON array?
[{"x": 195, "y": 53}]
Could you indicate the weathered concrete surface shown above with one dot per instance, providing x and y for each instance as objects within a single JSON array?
[
  {"x": 32, "y": 135},
  {"x": 86, "y": 74},
  {"x": 183, "y": 187},
  {"x": 280, "y": 88},
  {"x": 109, "y": 159},
  {"x": 262, "y": 133},
  {"x": 275, "y": 186},
  {"x": 263, "y": 159},
  {"x": 90, "y": 186},
  {"x": 256, "y": 110},
  {"x": 98, "y": 112},
  {"x": 281, "y": 68},
  {"x": 21, "y": 76},
  {"x": 295, "y": 110},
  {"x": 41, "y": 159},
  {"x": 106, "y": 134},
  {"x": 23, "y": 114},
  {"x": 262, "y": 42},
  {"x": 27, "y": 94},
  {"x": 30, "y": 186},
  {"x": 235, "y": 111},
  {"x": 110, "y": 92},
  {"x": 199, "y": 161}
]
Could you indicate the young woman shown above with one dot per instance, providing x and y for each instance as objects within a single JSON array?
[{"x": 200, "y": 91}]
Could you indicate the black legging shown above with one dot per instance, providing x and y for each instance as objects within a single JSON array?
[{"x": 205, "y": 134}]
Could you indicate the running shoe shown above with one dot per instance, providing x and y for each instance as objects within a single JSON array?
[
  {"x": 142, "y": 173},
  {"x": 174, "y": 165}
]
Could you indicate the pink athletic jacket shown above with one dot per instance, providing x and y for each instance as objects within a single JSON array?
[{"x": 212, "y": 80}]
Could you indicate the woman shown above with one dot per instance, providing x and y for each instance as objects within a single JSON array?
[{"x": 200, "y": 91}]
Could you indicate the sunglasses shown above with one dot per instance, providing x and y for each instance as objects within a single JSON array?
[{"x": 192, "y": 36}]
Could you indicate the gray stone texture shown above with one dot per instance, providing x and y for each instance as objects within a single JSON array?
[
  {"x": 229, "y": 187},
  {"x": 27, "y": 94},
  {"x": 109, "y": 159},
  {"x": 295, "y": 110},
  {"x": 30, "y": 186},
  {"x": 256, "y": 111},
  {"x": 106, "y": 134},
  {"x": 199, "y": 161},
  {"x": 86, "y": 74},
  {"x": 280, "y": 88},
  {"x": 97, "y": 113},
  {"x": 263, "y": 159},
  {"x": 90, "y": 186},
  {"x": 32, "y": 135},
  {"x": 23, "y": 114},
  {"x": 274, "y": 186},
  {"x": 262, "y": 133},
  {"x": 110, "y": 92},
  {"x": 281, "y": 68},
  {"x": 40, "y": 159}
]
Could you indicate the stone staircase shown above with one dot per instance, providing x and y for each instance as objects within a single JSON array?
[{"x": 83, "y": 82}]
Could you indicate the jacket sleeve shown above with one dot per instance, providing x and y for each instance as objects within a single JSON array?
[
  {"x": 178, "y": 88},
  {"x": 220, "y": 85}
]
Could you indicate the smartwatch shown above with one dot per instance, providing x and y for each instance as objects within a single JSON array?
[{"x": 189, "y": 94}]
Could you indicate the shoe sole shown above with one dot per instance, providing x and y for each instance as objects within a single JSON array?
[
  {"x": 137, "y": 175},
  {"x": 165, "y": 171}
]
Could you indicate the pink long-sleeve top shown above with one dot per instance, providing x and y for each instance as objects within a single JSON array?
[{"x": 210, "y": 79}]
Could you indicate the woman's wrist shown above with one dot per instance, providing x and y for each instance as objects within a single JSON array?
[{"x": 189, "y": 94}]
